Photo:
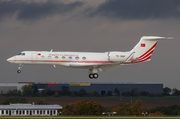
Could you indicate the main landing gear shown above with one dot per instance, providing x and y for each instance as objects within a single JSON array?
[
  {"x": 93, "y": 73},
  {"x": 95, "y": 76},
  {"x": 19, "y": 68}
]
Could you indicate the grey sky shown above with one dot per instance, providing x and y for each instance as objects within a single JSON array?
[
  {"x": 82, "y": 25},
  {"x": 139, "y": 9}
]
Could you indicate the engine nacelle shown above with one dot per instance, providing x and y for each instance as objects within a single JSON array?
[{"x": 118, "y": 56}]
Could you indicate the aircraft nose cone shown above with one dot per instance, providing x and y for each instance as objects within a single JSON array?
[{"x": 11, "y": 59}]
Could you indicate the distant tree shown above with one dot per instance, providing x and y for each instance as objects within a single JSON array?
[
  {"x": 144, "y": 93},
  {"x": 128, "y": 109},
  {"x": 28, "y": 90},
  {"x": 166, "y": 91},
  {"x": 66, "y": 112},
  {"x": 14, "y": 100},
  {"x": 41, "y": 102},
  {"x": 65, "y": 90},
  {"x": 109, "y": 93},
  {"x": 176, "y": 92},
  {"x": 116, "y": 92},
  {"x": 48, "y": 92},
  {"x": 82, "y": 92},
  {"x": 56, "y": 94},
  {"x": 157, "y": 114},
  {"x": 94, "y": 93},
  {"x": 83, "y": 108},
  {"x": 1, "y": 92},
  {"x": 126, "y": 93},
  {"x": 74, "y": 94},
  {"x": 167, "y": 110},
  {"x": 134, "y": 91},
  {"x": 13, "y": 93},
  {"x": 151, "y": 94}
]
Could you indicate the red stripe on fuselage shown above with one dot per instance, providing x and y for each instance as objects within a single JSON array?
[{"x": 96, "y": 62}]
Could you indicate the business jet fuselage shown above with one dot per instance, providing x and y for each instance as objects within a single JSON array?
[{"x": 89, "y": 60}]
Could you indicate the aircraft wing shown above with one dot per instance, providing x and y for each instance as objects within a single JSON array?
[
  {"x": 110, "y": 67},
  {"x": 104, "y": 67}
]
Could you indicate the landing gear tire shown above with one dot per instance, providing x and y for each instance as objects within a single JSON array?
[
  {"x": 91, "y": 76},
  {"x": 95, "y": 75},
  {"x": 18, "y": 71}
]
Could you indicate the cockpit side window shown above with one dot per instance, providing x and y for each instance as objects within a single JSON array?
[{"x": 21, "y": 54}]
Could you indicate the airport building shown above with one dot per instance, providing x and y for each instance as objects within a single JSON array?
[
  {"x": 29, "y": 110},
  {"x": 101, "y": 88}
]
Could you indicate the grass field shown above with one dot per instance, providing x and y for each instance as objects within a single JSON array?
[{"x": 90, "y": 117}]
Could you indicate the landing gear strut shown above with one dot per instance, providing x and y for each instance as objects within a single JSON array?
[
  {"x": 19, "y": 68},
  {"x": 93, "y": 73}
]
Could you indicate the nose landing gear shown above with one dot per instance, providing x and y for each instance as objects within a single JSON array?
[
  {"x": 19, "y": 68},
  {"x": 18, "y": 71}
]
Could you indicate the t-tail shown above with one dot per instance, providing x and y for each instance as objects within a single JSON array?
[{"x": 144, "y": 49}]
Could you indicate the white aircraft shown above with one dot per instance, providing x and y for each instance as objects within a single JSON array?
[{"x": 93, "y": 61}]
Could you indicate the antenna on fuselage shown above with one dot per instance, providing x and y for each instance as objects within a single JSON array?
[{"x": 51, "y": 50}]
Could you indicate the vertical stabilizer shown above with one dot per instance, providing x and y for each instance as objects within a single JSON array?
[{"x": 144, "y": 49}]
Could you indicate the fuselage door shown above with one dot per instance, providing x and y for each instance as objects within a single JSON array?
[
  {"x": 34, "y": 57},
  {"x": 108, "y": 55}
]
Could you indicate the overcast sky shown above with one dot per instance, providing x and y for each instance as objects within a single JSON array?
[{"x": 91, "y": 26}]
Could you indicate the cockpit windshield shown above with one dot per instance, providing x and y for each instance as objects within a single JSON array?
[{"x": 21, "y": 54}]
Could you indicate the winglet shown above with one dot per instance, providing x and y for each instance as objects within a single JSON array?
[{"x": 169, "y": 38}]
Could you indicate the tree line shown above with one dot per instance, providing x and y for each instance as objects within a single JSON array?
[
  {"x": 94, "y": 108},
  {"x": 32, "y": 91}
]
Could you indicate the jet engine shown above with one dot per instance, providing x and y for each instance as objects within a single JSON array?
[{"x": 118, "y": 56}]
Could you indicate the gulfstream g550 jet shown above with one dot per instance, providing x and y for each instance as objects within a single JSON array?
[{"x": 93, "y": 61}]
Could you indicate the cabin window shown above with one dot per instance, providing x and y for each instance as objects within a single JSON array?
[
  {"x": 83, "y": 58},
  {"x": 70, "y": 57},
  {"x": 63, "y": 57},
  {"x": 42, "y": 57},
  {"x": 76, "y": 58},
  {"x": 49, "y": 57},
  {"x": 56, "y": 57}
]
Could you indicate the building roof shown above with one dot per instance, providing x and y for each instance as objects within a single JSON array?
[{"x": 30, "y": 107}]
